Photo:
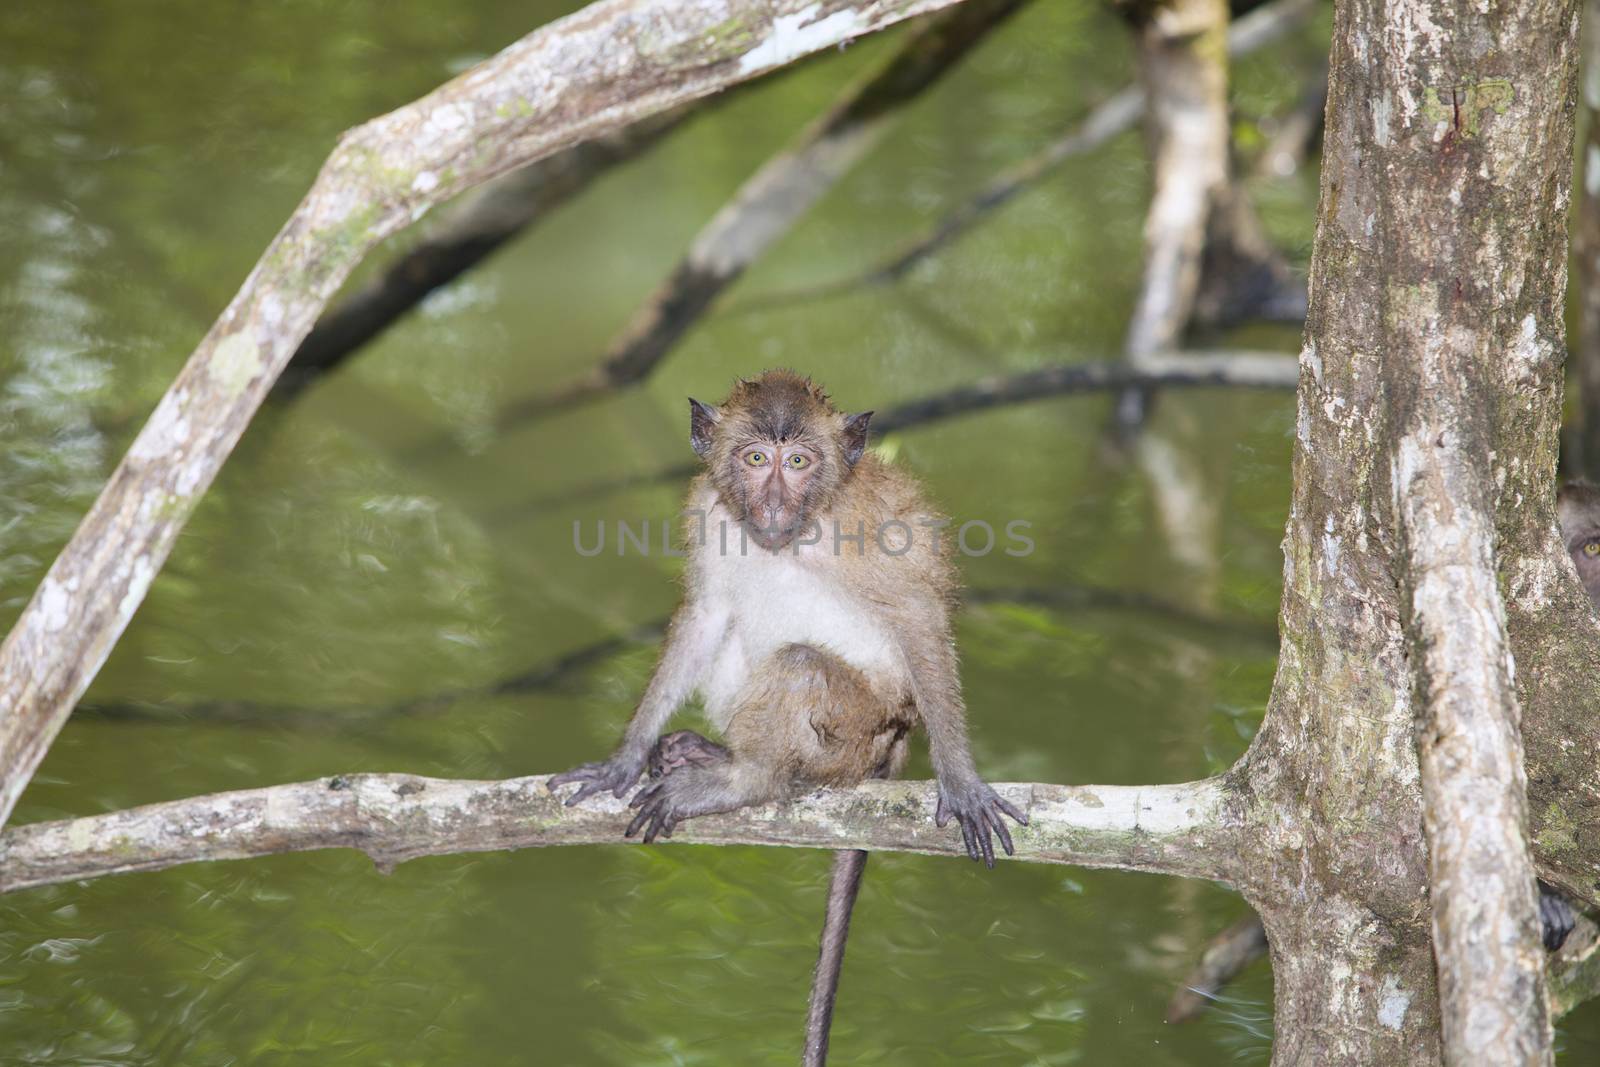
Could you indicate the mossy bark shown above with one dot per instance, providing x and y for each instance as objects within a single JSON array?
[{"x": 1437, "y": 268}]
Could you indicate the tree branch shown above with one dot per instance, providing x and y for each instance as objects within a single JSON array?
[
  {"x": 1485, "y": 906},
  {"x": 1170, "y": 829},
  {"x": 503, "y": 209},
  {"x": 769, "y": 204},
  {"x": 609, "y": 64},
  {"x": 1174, "y": 370},
  {"x": 1114, "y": 116}
]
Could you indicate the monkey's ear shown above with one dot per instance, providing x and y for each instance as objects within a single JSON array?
[
  {"x": 703, "y": 419},
  {"x": 853, "y": 438}
]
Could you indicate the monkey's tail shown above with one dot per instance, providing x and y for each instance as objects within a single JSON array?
[{"x": 848, "y": 864}]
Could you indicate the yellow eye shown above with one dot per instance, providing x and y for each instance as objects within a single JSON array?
[
  {"x": 756, "y": 459},
  {"x": 798, "y": 461},
  {"x": 1592, "y": 548}
]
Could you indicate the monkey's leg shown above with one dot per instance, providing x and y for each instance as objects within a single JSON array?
[{"x": 803, "y": 719}]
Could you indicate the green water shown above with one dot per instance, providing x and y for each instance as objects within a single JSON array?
[{"x": 149, "y": 150}]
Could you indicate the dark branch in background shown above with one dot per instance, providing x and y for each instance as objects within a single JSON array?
[
  {"x": 543, "y": 676},
  {"x": 769, "y": 204},
  {"x": 1241, "y": 370},
  {"x": 1113, "y": 117},
  {"x": 1224, "y": 958},
  {"x": 488, "y": 219},
  {"x": 554, "y": 673}
]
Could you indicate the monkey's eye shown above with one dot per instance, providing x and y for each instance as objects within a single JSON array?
[
  {"x": 797, "y": 461},
  {"x": 756, "y": 459},
  {"x": 1591, "y": 548}
]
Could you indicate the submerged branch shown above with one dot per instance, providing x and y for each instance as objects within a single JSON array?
[
  {"x": 1224, "y": 958},
  {"x": 1170, "y": 829}
]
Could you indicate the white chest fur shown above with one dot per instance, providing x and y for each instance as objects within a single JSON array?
[{"x": 777, "y": 598}]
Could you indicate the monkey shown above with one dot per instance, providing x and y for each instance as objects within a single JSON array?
[
  {"x": 816, "y": 626},
  {"x": 1578, "y": 508},
  {"x": 1578, "y": 511}
]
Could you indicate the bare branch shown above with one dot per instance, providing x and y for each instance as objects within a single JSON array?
[
  {"x": 1185, "y": 76},
  {"x": 1245, "y": 370},
  {"x": 1114, "y": 116},
  {"x": 1170, "y": 829},
  {"x": 609, "y": 64},
  {"x": 503, "y": 209},
  {"x": 769, "y": 204}
]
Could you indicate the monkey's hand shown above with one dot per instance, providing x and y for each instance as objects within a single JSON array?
[
  {"x": 978, "y": 808},
  {"x": 616, "y": 774}
]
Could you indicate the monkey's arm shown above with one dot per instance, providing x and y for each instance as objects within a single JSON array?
[
  {"x": 936, "y": 688},
  {"x": 686, "y": 655}
]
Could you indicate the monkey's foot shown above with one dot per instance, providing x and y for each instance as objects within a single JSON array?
[
  {"x": 977, "y": 808},
  {"x": 684, "y": 748},
  {"x": 669, "y": 800},
  {"x": 1555, "y": 917}
]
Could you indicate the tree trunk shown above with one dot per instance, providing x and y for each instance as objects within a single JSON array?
[{"x": 1437, "y": 267}]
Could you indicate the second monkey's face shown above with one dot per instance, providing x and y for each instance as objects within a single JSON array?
[
  {"x": 1578, "y": 506},
  {"x": 776, "y": 483}
]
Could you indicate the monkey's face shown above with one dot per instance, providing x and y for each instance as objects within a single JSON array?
[
  {"x": 777, "y": 482},
  {"x": 1586, "y": 557},
  {"x": 1578, "y": 507},
  {"x": 778, "y": 453}
]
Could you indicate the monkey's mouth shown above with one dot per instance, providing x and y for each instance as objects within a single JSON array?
[{"x": 775, "y": 535}]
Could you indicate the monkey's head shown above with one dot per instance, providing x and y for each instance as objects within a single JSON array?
[
  {"x": 777, "y": 451},
  {"x": 1578, "y": 506}
]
